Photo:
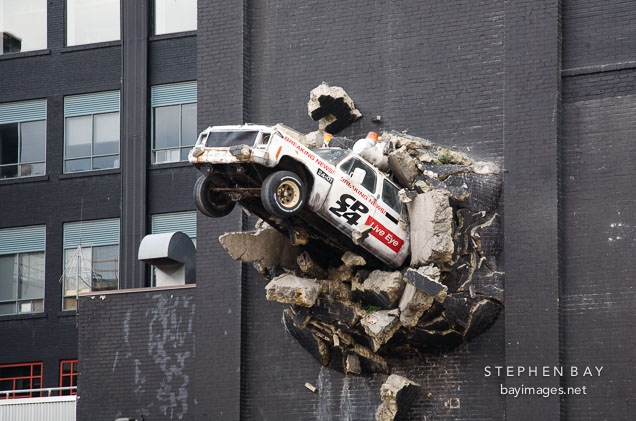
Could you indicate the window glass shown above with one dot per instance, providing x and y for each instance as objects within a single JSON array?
[
  {"x": 22, "y": 283},
  {"x": 95, "y": 139},
  {"x": 390, "y": 196},
  {"x": 79, "y": 132},
  {"x": 31, "y": 279},
  {"x": 23, "y": 25},
  {"x": 8, "y": 143},
  {"x": 90, "y": 21},
  {"x": 21, "y": 376},
  {"x": 8, "y": 278},
  {"x": 106, "y": 134},
  {"x": 105, "y": 268},
  {"x": 369, "y": 178},
  {"x": 175, "y": 16},
  {"x": 167, "y": 127},
  {"x": 188, "y": 125},
  {"x": 33, "y": 141}
]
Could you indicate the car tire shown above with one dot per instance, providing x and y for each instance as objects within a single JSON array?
[
  {"x": 283, "y": 194},
  {"x": 211, "y": 203}
]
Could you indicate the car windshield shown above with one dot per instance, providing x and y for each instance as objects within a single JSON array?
[
  {"x": 332, "y": 155},
  {"x": 231, "y": 138}
]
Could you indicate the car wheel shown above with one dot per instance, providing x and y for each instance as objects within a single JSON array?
[
  {"x": 283, "y": 194},
  {"x": 211, "y": 203}
]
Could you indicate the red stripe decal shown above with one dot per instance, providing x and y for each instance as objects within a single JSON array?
[{"x": 387, "y": 238}]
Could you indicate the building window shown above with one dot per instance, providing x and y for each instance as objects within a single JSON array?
[
  {"x": 23, "y": 25},
  {"x": 91, "y": 258},
  {"x": 175, "y": 16},
  {"x": 22, "y": 270},
  {"x": 162, "y": 223},
  {"x": 91, "y": 21},
  {"x": 91, "y": 131},
  {"x": 21, "y": 377},
  {"x": 68, "y": 376},
  {"x": 22, "y": 139},
  {"x": 174, "y": 121}
]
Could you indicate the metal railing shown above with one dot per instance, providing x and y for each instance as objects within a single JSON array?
[{"x": 4, "y": 394}]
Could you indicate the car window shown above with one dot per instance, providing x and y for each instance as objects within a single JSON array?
[
  {"x": 390, "y": 196},
  {"x": 231, "y": 138},
  {"x": 332, "y": 155},
  {"x": 369, "y": 178}
]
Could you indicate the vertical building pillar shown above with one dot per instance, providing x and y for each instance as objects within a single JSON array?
[
  {"x": 134, "y": 150},
  {"x": 218, "y": 325},
  {"x": 531, "y": 185}
]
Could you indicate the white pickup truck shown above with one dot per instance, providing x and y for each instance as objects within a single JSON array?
[{"x": 331, "y": 194}]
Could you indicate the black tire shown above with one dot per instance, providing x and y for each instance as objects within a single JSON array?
[
  {"x": 283, "y": 194},
  {"x": 211, "y": 203}
]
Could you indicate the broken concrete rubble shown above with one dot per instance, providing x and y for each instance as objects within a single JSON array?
[
  {"x": 420, "y": 292},
  {"x": 292, "y": 289},
  {"x": 397, "y": 394},
  {"x": 403, "y": 166},
  {"x": 382, "y": 289},
  {"x": 431, "y": 224},
  {"x": 333, "y": 107},
  {"x": 264, "y": 246},
  {"x": 381, "y": 325},
  {"x": 352, "y": 260}
]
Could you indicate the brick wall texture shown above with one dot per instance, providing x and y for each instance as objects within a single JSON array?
[{"x": 139, "y": 361}]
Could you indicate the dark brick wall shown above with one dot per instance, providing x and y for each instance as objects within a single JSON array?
[
  {"x": 598, "y": 32},
  {"x": 432, "y": 68},
  {"x": 140, "y": 360}
]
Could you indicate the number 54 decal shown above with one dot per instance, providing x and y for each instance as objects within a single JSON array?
[{"x": 349, "y": 208}]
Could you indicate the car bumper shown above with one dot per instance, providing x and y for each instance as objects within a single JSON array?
[{"x": 231, "y": 155}]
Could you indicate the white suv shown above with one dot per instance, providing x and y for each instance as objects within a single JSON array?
[{"x": 332, "y": 195}]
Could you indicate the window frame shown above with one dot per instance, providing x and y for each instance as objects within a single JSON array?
[
  {"x": 92, "y": 155},
  {"x": 46, "y": 35},
  {"x": 31, "y": 377},
  {"x": 153, "y": 21},
  {"x": 19, "y": 163},
  {"x": 66, "y": 21},
  {"x": 73, "y": 375},
  {"x": 181, "y": 146},
  {"x": 17, "y": 300},
  {"x": 92, "y": 270}
]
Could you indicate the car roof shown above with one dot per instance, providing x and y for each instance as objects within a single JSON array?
[{"x": 243, "y": 127}]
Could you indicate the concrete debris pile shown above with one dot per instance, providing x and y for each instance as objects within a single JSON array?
[{"x": 356, "y": 317}]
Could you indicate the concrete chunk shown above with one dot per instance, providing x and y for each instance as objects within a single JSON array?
[
  {"x": 403, "y": 166},
  {"x": 352, "y": 260},
  {"x": 419, "y": 294},
  {"x": 397, "y": 394},
  {"x": 292, "y": 289},
  {"x": 431, "y": 225},
  {"x": 265, "y": 246},
  {"x": 333, "y": 107},
  {"x": 381, "y": 289},
  {"x": 381, "y": 325}
]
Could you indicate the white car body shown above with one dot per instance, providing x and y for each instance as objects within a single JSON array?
[{"x": 367, "y": 210}]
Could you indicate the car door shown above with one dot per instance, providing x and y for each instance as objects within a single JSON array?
[
  {"x": 349, "y": 202},
  {"x": 391, "y": 217}
]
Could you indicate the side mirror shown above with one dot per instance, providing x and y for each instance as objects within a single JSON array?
[{"x": 358, "y": 175}]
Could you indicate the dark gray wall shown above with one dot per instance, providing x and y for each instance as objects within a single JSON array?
[
  {"x": 140, "y": 360},
  {"x": 544, "y": 88}
]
